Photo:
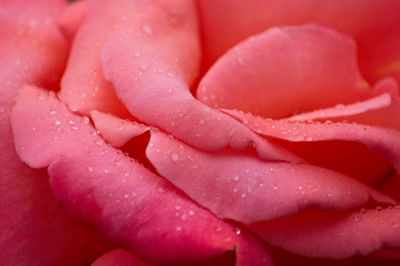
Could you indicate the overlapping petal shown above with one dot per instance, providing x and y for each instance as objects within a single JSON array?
[
  {"x": 109, "y": 191},
  {"x": 334, "y": 234},
  {"x": 286, "y": 70},
  {"x": 374, "y": 25},
  {"x": 154, "y": 86},
  {"x": 34, "y": 228}
]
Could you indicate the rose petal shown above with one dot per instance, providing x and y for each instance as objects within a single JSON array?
[
  {"x": 109, "y": 191},
  {"x": 377, "y": 102},
  {"x": 286, "y": 70},
  {"x": 377, "y": 111},
  {"x": 118, "y": 257},
  {"x": 247, "y": 189},
  {"x": 152, "y": 85},
  {"x": 334, "y": 234},
  {"x": 116, "y": 131},
  {"x": 385, "y": 142},
  {"x": 72, "y": 16},
  {"x": 83, "y": 86},
  {"x": 374, "y": 24},
  {"x": 35, "y": 229}
]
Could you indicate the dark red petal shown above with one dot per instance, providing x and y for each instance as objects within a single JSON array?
[{"x": 118, "y": 257}]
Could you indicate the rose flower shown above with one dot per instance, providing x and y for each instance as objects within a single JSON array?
[{"x": 208, "y": 132}]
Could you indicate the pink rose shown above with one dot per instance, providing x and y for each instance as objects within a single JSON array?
[{"x": 220, "y": 132}]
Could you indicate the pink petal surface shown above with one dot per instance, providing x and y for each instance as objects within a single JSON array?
[
  {"x": 381, "y": 110},
  {"x": 340, "y": 110},
  {"x": 116, "y": 131},
  {"x": 384, "y": 141},
  {"x": 109, "y": 191},
  {"x": 83, "y": 86},
  {"x": 118, "y": 257},
  {"x": 374, "y": 25},
  {"x": 154, "y": 85},
  {"x": 334, "y": 234},
  {"x": 286, "y": 70},
  {"x": 247, "y": 189},
  {"x": 34, "y": 228},
  {"x": 72, "y": 16}
]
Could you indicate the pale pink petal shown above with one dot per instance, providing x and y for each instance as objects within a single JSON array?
[
  {"x": 72, "y": 16},
  {"x": 154, "y": 86},
  {"x": 334, "y": 234},
  {"x": 100, "y": 186},
  {"x": 286, "y": 70},
  {"x": 118, "y": 257},
  {"x": 385, "y": 142},
  {"x": 34, "y": 228},
  {"x": 340, "y": 110},
  {"x": 374, "y": 24},
  {"x": 116, "y": 131},
  {"x": 83, "y": 86},
  {"x": 246, "y": 189}
]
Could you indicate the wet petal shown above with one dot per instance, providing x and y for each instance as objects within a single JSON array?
[
  {"x": 116, "y": 131},
  {"x": 154, "y": 86},
  {"x": 334, "y": 234},
  {"x": 118, "y": 257},
  {"x": 377, "y": 36},
  {"x": 34, "y": 226},
  {"x": 286, "y": 70},
  {"x": 385, "y": 142},
  {"x": 114, "y": 194},
  {"x": 72, "y": 17},
  {"x": 83, "y": 87},
  {"x": 247, "y": 189}
]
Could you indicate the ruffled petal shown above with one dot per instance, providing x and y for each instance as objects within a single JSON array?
[
  {"x": 385, "y": 142},
  {"x": 35, "y": 229},
  {"x": 154, "y": 86},
  {"x": 114, "y": 194},
  {"x": 83, "y": 87},
  {"x": 286, "y": 70},
  {"x": 118, "y": 257},
  {"x": 72, "y": 17},
  {"x": 374, "y": 25},
  {"x": 334, "y": 234},
  {"x": 116, "y": 131},
  {"x": 247, "y": 189}
]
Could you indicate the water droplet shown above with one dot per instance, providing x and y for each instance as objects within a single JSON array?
[
  {"x": 236, "y": 177},
  {"x": 235, "y": 190},
  {"x": 191, "y": 212},
  {"x": 90, "y": 169},
  {"x": 379, "y": 208},
  {"x": 309, "y": 139},
  {"x": 178, "y": 228},
  {"x": 275, "y": 187},
  {"x": 57, "y": 122},
  {"x": 174, "y": 156},
  {"x": 177, "y": 207},
  {"x": 237, "y": 231},
  {"x": 75, "y": 128},
  {"x": 137, "y": 54},
  {"x": 243, "y": 195},
  {"x": 126, "y": 196},
  {"x": 147, "y": 30},
  {"x": 184, "y": 217},
  {"x": 219, "y": 229},
  {"x": 144, "y": 66}
]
